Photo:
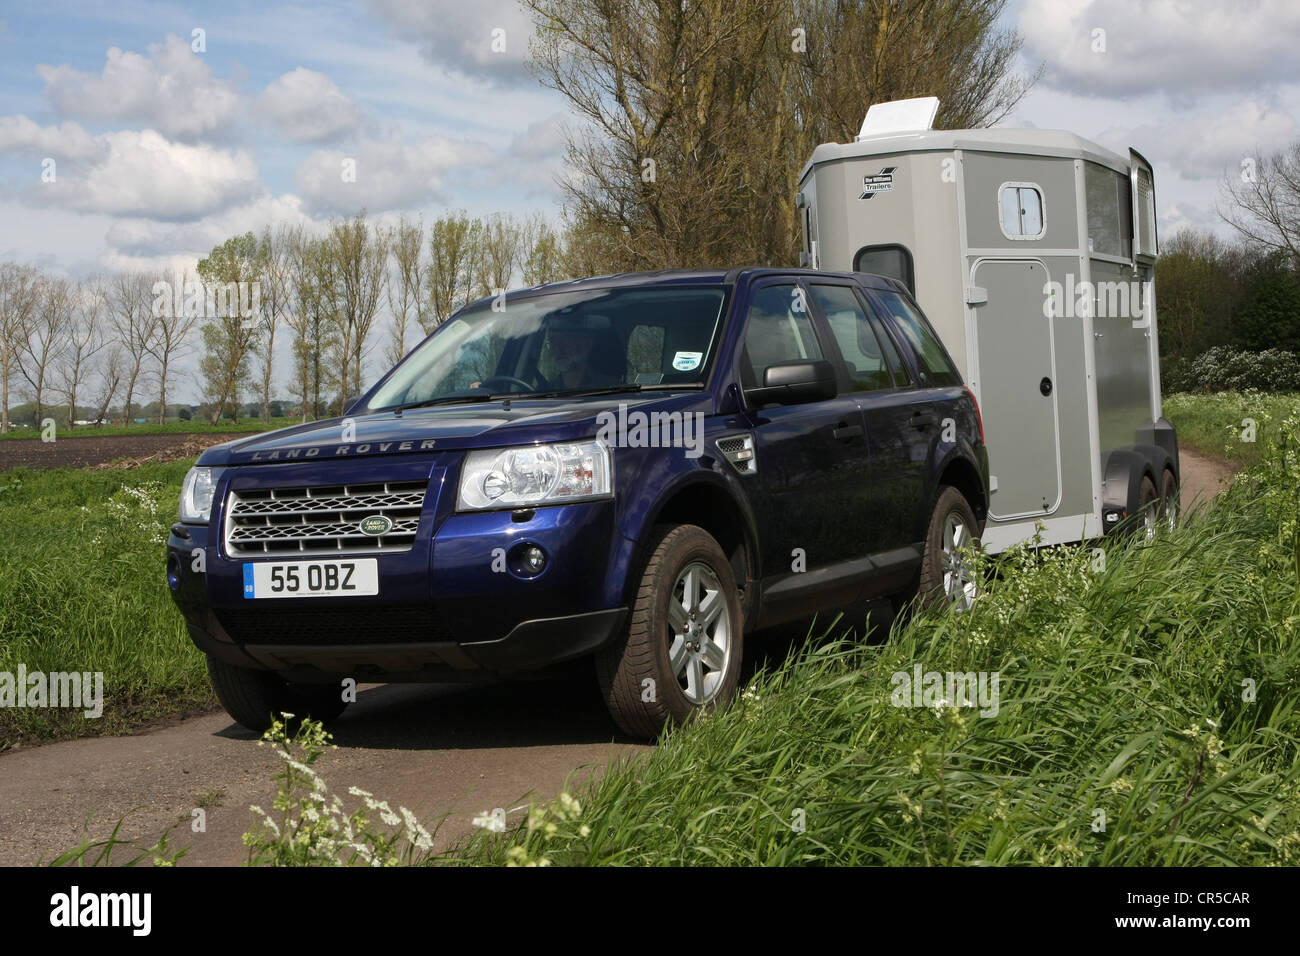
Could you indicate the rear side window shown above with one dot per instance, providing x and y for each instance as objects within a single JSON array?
[
  {"x": 932, "y": 360},
  {"x": 863, "y": 357},
  {"x": 779, "y": 330}
]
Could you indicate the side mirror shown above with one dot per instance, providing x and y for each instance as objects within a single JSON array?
[{"x": 794, "y": 383}]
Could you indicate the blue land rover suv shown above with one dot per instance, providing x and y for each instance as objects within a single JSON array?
[{"x": 641, "y": 469}]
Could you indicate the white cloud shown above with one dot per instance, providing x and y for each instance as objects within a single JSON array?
[
  {"x": 535, "y": 157},
  {"x": 56, "y": 239},
  {"x": 65, "y": 141},
  {"x": 1203, "y": 145},
  {"x": 544, "y": 139},
  {"x": 459, "y": 36},
  {"x": 308, "y": 107},
  {"x": 143, "y": 174},
  {"x": 148, "y": 244},
  {"x": 172, "y": 90},
  {"x": 1162, "y": 45},
  {"x": 388, "y": 175}
]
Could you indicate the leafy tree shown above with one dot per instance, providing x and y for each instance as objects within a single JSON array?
[
  {"x": 229, "y": 337},
  {"x": 696, "y": 117}
]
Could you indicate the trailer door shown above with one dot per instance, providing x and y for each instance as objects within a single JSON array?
[{"x": 1016, "y": 383}]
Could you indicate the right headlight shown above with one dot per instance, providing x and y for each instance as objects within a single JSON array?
[
  {"x": 196, "y": 495},
  {"x": 531, "y": 475}
]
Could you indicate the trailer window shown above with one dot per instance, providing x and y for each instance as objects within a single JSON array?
[
  {"x": 1022, "y": 210},
  {"x": 1146, "y": 200},
  {"x": 1110, "y": 211},
  {"x": 893, "y": 261}
]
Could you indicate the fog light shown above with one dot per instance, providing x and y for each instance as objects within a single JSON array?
[
  {"x": 528, "y": 559},
  {"x": 173, "y": 572},
  {"x": 534, "y": 559}
]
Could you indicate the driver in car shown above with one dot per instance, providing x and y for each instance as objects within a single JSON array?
[{"x": 583, "y": 352}]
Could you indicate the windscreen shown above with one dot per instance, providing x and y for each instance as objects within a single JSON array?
[{"x": 563, "y": 342}]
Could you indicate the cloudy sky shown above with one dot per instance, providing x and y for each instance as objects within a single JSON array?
[{"x": 160, "y": 152}]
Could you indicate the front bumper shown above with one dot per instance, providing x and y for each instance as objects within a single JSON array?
[
  {"x": 531, "y": 645},
  {"x": 449, "y": 608}
]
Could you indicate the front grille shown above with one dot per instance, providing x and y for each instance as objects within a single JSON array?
[
  {"x": 333, "y": 625},
  {"x": 322, "y": 520}
]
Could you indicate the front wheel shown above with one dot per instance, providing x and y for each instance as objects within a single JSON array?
[
  {"x": 256, "y": 698},
  {"x": 947, "y": 578},
  {"x": 680, "y": 653}
]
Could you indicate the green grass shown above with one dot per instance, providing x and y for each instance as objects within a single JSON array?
[
  {"x": 1161, "y": 690},
  {"x": 1121, "y": 690},
  {"x": 195, "y": 427},
  {"x": 82, "y": 587},
  {"x": 1217, "y": 425}
]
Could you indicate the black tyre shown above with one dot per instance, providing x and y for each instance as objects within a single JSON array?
[
  {"x": 255, "y": 698},
  {"x": 946, "y": 576},
  {"x": 323, "y": 702},
  {"x": 1148, "y": 516},
  {"x": 1170, "y": 499},
  {"x": 681, "y": 650}
]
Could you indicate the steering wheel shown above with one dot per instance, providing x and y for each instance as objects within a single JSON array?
[{"x": 508, "y": 379}]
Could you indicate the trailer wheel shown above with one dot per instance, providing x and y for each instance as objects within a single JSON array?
[
  {"x": 1170, "y": 499},
  {"x": 946, "y": 575},
  {"x": 1148, "y": 508}
]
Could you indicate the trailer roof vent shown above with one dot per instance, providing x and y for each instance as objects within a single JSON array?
[{"x": 900, "y": 116}]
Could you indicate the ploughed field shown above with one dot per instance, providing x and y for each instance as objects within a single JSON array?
[{"x": 90, "y": 450}]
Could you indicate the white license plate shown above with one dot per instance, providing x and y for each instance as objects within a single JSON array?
[{"x": 286, "y": 579}]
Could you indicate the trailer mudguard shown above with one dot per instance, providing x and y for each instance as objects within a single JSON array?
[
  {"x": 1162, "y": 435},
  {"x": 1158, "y": 459},
  {"x": 1123, "y": 486}
]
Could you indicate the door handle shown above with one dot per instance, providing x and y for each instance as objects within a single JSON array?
[
  {"x": 846, "y": 432},
  {"x": 921, "y": 420}
]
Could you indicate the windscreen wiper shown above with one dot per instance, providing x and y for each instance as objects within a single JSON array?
[
  {"x": 441, "y": 400},
  {"x": 567, "y": 392},
  {"x": 613, "y": 390}
]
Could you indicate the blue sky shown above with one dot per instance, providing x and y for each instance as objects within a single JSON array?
[
  {"x": 161, "y": 152},
  {"x": 254, "y": 126}
]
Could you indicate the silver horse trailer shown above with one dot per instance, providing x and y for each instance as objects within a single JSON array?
[{"x": 1032, "y": 252}]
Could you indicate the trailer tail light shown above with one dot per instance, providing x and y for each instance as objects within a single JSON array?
[{"x": 979, "y": 419}]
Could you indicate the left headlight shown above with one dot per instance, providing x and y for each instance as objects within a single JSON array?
[
  {"x": 196, "y": 495},
  {"x": 531, "y": 475}
]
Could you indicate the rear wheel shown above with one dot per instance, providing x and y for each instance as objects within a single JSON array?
[
  {"x": 680, "y": 653},
  {"x": 1170, "y": 503},
  {"x": 946, "y": 575},
  {"x": 1148, "y": 508},
  {"x": 256, "y": 698}
]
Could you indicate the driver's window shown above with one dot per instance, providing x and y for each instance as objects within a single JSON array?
[{"x": 779, "y": 330}]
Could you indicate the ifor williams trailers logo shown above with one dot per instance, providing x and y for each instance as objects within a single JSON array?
[{"x": 880, "y": 182}]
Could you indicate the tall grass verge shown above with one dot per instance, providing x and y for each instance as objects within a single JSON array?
[
  {"x": 83, "y": 588},
  {"x": 1147, "y": 716}
]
